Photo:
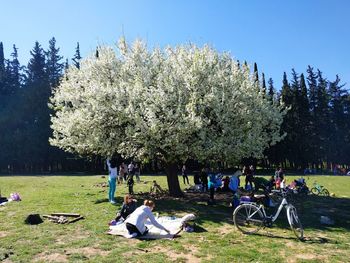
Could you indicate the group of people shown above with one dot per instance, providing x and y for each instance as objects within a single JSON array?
[
  {"x": 126, "y": 174},
  {"x": 135, "y": 217},
  {"x": 125, "y": 171}
]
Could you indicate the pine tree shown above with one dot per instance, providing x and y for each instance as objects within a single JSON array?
[
  {"x": 284, "y": 149},
  {"x": 313, "y": 130},
  {"x": 305, "y": 151},
  {"x": 312, "y": 82},
  {"x": 36, "y": 69},
  {"x": 272, "y": 91},
  {"x": 256, "y": 73},
  {"x": 11, "y": 122},
  {"x": 2, "y": 68},
  {"x": 286, "y": 92},
  {"x": 337, "y": 106},
  {"x": 36, "y": 96},
  {"x": 322, "y": 118},
  {"x": 53, "y": 65},
  {"x": 263, "y": 84},
  {"x": 76, "y": 59},
  {"x": 13, "y": 74}
]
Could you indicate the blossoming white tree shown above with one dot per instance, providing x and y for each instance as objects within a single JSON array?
[{"x": 176, "y": 103}]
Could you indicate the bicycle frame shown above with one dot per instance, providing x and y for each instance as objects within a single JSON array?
[
  {"x": 318, "y": 186},
  {"x": 262, "y": 209}
]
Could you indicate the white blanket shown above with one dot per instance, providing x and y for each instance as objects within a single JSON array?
[{"x": 173, "y": 224}]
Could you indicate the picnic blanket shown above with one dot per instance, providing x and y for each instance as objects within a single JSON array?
[{"x": 173, "y": 224}]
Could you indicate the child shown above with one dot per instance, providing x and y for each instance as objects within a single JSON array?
[
  {"x": 155, "y": 188},
  {"x": 130, "y": 184},
  {"x": 127, "y": 208},
  {"x": 113, "y": 173}
]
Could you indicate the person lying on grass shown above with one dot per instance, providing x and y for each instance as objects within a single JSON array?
[
  {"x": 135, "y": 223},
  {"x": 127, "y": 208}
]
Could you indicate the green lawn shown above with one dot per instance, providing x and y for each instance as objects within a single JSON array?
[{"x": 216, "y": 240}]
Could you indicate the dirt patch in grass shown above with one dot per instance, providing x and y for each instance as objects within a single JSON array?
[
  {"x": 55, "y": 257},
  {"x": 306, "y": 256},
  {"x": 87, "y": 251},
  {"x": 4, "y": 234},
  {"x": 225, "y": 229},
  {"x": 77, "y": 235},
  {"x": 173, "y": 255}
]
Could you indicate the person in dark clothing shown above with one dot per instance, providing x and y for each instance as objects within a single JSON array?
[
  {"x": 211, "y": 185},
  {"x": 130, "y": 184},
  {"x": 184, "y": 174},
  {"x": 196, "y": 178},
  {"x": 204, "y": 180},
  {"x": 225, "y": 183},
  {"x": 127, "y": 208},
  {"x": 249, "y": 176}
]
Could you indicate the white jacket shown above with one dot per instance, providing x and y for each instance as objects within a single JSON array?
[{"x": 140, "y": 215}]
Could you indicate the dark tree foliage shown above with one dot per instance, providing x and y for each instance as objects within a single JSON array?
[
  {"x": 2, "y": 69},
  {"x": 317, "y": 123},
  {"x": 76, "y": 59},
  {"x": 54, "y": 66},
  {"x": 25, "y": 116},
  {"x": 263, "y": 84},
  {"x": 272, "y": 92}
]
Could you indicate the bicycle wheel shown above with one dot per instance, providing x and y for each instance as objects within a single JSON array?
[
  {"x": 324, "y": 192},
  {"x": 248, "y": 218},
  {"x": 314, "y": 191},
  {"x": 294, "y": 222}
]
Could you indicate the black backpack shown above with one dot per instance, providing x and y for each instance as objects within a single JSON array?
[{"x": 33, "y": 219}]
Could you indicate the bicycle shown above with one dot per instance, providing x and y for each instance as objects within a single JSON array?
[
  {"x": 319, "y": 190},
  {"x": 250, "y": 217}
]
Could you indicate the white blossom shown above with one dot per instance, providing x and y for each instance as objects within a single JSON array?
[{"x": 176, "y": 103}]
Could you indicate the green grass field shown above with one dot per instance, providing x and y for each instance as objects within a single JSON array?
[{"x": 216, "y": 239}]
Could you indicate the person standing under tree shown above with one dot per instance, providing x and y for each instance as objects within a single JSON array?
[
  {"x": 130, "y": 184},
  {"x": 137, "y": 172},
  {"x": 121, "y": 173},
  {"x": 112, "y": 178},
  {"x": 211, "y": 185},
  {"x": 184, "y": 174},
  {"x": 204, "y": 179},
  {"x": 131, "y": 168},
  {"x": 249, "y": 178},
  {"x": 125, "y": 167}
]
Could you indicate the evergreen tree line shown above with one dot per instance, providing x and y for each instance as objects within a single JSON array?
[
  {"x": 316, "y": 126},
  {"x": 25, "y": 115}
]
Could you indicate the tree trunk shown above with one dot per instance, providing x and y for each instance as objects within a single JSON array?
[{"x": 173, "y": 179}]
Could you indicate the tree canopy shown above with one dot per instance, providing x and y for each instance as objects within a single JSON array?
[{"x": 177, "y": 103}]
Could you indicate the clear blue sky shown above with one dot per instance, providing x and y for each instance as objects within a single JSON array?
[{"x": 278, "y": 35}]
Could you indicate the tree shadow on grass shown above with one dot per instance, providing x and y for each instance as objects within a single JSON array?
[
  {"x": 336, "y": 209},
  {"x": 310, "y": 209},
  {"x": 118, "y": 200},
  {"x": 306, "y": 240}
]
